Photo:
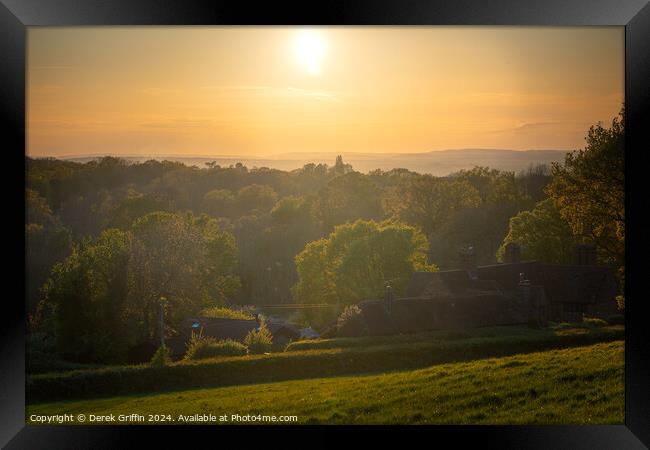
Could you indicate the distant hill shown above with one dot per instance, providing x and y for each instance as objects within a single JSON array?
[{"x": 439, "y": 162}]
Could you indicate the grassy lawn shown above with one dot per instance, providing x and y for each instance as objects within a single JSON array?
[
  {"x": 580, "y": 385},
  {"x": 339, "y": 357},
  {"x": 469, "y": 335}
]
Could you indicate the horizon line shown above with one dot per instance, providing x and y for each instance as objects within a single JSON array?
[{"x": 279, "y": 155}]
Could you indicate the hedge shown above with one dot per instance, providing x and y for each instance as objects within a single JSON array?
[{"x": 123, "y": 380}]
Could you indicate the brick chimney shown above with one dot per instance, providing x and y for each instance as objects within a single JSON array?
[
  {"x": 584, "y": 255},
  {"x": 523, "y": 288},
  {"x": 512, "y": 253}
]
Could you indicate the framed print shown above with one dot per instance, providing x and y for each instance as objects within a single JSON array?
[{"x": 376, "y": 217}]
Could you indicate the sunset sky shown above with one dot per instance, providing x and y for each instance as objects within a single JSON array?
[{"x": 259, "y": 91}]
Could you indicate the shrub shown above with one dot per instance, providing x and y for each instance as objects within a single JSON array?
[
  {"x": 351, "y": 323},
  {"x": 594, "y": 322},
  {"x": 41, "y": 356},
  {"x": 616, "y": 319},
  {"x": 200, "y": 347},
  {"x": 260, "y": 340},
  {"x": 161, "y": 358},
  {"x": 219, "y": 312}
]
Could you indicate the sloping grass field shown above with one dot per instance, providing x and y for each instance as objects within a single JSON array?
[
  {"x": 466, "y": 336},
  {"x": 578, "y": 385},
  {"x": 316, "y": 359}
]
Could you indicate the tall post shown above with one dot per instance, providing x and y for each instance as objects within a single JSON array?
[
  {"x": 388, "y": 299},
  {"x": 161, "y": 319}
]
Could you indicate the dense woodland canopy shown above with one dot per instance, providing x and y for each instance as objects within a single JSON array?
[
  {"x": 272, "y": 214},
  {"x": 106, "y": 240}
]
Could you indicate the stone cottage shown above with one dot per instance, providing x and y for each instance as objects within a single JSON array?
[{"x": 513, "y": 292}]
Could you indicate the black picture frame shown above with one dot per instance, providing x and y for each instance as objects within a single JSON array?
[{"x": 634, "y": 15}]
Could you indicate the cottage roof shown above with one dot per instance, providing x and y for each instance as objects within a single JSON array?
[
  {"x": 579, "y": 284},
  {"x": 507, "y": 275},
  {"x": 562, "y": 283},
  {"x": 283, "y": 328},
  {"x": 411, "y": 315},
  {"x": 448, "y": 283}
]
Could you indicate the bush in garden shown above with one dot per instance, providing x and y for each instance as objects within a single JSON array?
[
  {"x": 161, "y": 358},
  {"x": 351, "y": 323},
  {"x": 200, "y": 347},
  {"x": 260, "y": 340}
]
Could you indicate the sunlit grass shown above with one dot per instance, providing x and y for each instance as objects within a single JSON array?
[
  {"x": 339, "y": 358},
  {"x": 563, "y": 329},
  {"x": 581, "y": 385}
]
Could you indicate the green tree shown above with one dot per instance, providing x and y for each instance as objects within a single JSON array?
[
  {"x": 316, "y": 283},
  {"x": 357, "y": 260},
  {"x": 428, "y": 202},
  {"x": 533, "y": 180},
  {"x": 493, "y": 186},
  {"x": 347, "y": 198},
  {"x": 467, "y": 208},
  {"x": 184, "y": 259},
  {"x": 87, "y": 293},
  {"x": 105, "y": 297},
  {"x": 291, "y": 209},
  {"x": 482, "y": 228},
  {"x": 132, "y": 206},
  {"x": 589, "y": 190},
  {"x": 542, "y": 233},
  {"x": 255, "y": 197},
  {"x": 483, "y": 225},
  {"x": 219, "y": 203},
  {"x": 47, "y": 242}
]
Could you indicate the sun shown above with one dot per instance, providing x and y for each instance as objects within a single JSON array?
[{"x": 309, "y": 49}]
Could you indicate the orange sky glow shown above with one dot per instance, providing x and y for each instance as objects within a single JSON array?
[{"x": 260, "y": 91}]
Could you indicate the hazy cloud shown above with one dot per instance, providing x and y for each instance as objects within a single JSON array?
[
  {"x": 315, "y": 94},
  {"x": 71, "y": 124},
  {"x": 159, "y": 91},
  {"x": 177, "y": 123},
  {"x": 44, "y": 88},
  {"x": 48, "y": 67}
]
